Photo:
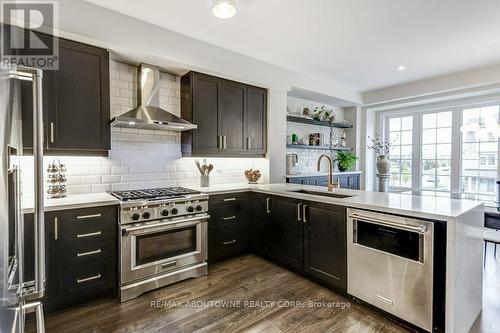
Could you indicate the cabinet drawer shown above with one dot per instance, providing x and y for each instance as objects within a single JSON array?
[
  {"x": 76, "y": 227},
  {"x": 88, "y": 278},
  {"x": 227, "y": 198},
  {"x": 88, "y": 252},
  {"x": 227, "y": 209},
  {"x": 227, "y": 241}
]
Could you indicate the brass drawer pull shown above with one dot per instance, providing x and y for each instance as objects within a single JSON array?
[
  {"x": 89, "y": 234},
  {"x": 83, "y": 217},
  {"x": 95, "y": 277},
  {"x": 229, "y": 242},
  {"x": 83, "y": 254},
  {"x": 230, "y": 199},
  {"x": 229, "y": 218}
]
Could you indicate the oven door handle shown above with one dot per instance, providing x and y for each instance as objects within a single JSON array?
[
  {"x": 421, "y": 229},
  {"x": 184, "y": 222}
]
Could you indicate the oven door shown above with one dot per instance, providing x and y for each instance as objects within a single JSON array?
[
  {"x": 390, "y": 264},
  {"x": 154, "y": 248}
]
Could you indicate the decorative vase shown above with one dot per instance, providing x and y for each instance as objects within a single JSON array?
[{"x": 383, "y": 165}]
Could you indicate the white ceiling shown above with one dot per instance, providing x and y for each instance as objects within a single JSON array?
[{"x": 357, "y": 42}]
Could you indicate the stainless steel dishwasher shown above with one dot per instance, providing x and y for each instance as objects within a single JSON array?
[{"x": 390, "y": 264}]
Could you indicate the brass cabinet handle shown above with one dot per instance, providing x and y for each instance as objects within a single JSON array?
[
  {"x": 97, "y": 233},
  {"x": 229, "y": 218},
  {"x": 56, "y": 228},
  {"x": 83, "y": 217},
  {"x": 268, "y": 209},
  {"x": 51, "y": 132},
  {"x": 298, "y": 212},
  {"x": 229, "y": 242},
  {"x": 83, "y": 254},
  {"x": 304, "y": 213},
  {"x": 95, "y": 277}
]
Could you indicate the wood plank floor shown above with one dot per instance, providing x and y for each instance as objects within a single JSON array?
[{"x": 246, "y": 278}]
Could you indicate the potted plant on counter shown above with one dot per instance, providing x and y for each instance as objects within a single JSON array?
[{"x": 345, "y": 160}]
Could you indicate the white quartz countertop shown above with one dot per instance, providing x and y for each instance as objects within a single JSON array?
[
  {"x": 316, "y": 174},
  {"x": 72, "y": 202},
  {"x": 404, "y": 204}
]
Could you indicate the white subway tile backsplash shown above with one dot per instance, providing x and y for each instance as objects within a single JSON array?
[
  {"x": 94, "y": 179},
  {"x": 97, "y": 188},
  {"x": 109, "y": 179},
  {"x": 142, "y": 158}
]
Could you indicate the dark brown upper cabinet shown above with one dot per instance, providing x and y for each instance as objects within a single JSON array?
[
  {"x": 231, "y": 117},
  {"x": 76, "y": 102}
]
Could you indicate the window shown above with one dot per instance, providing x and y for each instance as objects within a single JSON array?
[
  {"x": 479, "y": 153},
  {"x": 400, "y": 134},
  {"x": 451, "y": 152},
  {"x": 436, "y": 153}
]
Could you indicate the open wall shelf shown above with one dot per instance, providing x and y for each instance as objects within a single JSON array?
[
  {"x": 317, "y": 147},
  {"x": 317, "y": 122}
]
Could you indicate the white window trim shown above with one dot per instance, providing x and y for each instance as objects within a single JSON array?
[{"x": 456, "y": 149}]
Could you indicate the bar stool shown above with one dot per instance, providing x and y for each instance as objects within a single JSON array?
[{"x": 491, "y": 236}]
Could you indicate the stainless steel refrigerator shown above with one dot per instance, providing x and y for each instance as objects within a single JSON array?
[{"x": 18, "y": 296}]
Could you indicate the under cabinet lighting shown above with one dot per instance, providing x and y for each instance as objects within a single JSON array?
[{"x": 401, "y": 68}]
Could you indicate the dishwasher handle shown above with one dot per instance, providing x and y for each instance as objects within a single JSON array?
[{"x": 421, "y": 229}]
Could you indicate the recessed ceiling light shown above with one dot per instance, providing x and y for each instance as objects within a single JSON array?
[
  {"x": 224, "y": 8},
  {"x": 401, "y": 68}
]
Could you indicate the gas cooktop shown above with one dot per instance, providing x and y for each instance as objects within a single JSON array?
[{"x": 153, "y": 194}]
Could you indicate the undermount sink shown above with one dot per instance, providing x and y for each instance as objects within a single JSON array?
[{"x": 325, "y": 194}]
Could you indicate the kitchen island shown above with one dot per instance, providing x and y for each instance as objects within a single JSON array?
[{"x": 463, "y": 222}]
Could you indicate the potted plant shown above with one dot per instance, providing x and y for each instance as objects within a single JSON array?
[
  {"x": 345, "y": 160},
  {"x": 382, "y": 147}
]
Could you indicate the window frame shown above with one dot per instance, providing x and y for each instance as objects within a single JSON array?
[{"x": 456, "y": 137}]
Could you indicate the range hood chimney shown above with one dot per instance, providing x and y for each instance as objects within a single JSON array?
[{"x": 149, "y": 115}]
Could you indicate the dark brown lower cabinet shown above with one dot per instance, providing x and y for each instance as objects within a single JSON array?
[
  {"x": 325, "y": 243},
  {"x": 228, "y": 231},
  {"x": 306, "y": 237},
  {"x": 261, "y": 224},
  {"x": 81, "y": 255},
  {"x": 287, "y": 232}
]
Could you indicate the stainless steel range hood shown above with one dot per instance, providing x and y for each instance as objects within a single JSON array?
[{"x": 149, "y": 115}]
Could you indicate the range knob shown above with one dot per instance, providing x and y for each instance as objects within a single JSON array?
[
  {"x": 190, "y": 209},
  {"x": 199, "y": 208},
  {"x": 146, "y": 215},
  {"x": 164, "y": 212},
  {"x": 174, "y": 211},
  {"x": 135, "y": 216}
]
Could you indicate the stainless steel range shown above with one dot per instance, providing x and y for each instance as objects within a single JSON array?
[{"x": 163, "y": 238}]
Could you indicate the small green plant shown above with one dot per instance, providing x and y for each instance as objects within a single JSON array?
[{"x": 345, "y": 160}]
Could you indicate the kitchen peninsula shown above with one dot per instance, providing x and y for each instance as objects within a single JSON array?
[{"x": 455, "y": 250}]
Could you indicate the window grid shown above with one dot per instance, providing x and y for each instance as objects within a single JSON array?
[
  {"x": 436, "y": 153},
  {"x": 400, "y": 136},
  {"x": 443, "y": 161},
  {"x": 479, "y": 154}
]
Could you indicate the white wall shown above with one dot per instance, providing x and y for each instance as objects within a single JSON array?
[
  {"x": 142, "y": 158},
  {"x": 143, "y": 42},
  {"x": 276, "y": 135},
  {"x": 466, "y": 82}
]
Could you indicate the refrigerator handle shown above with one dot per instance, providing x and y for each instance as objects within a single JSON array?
[{"x": 38, "y": 166}]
